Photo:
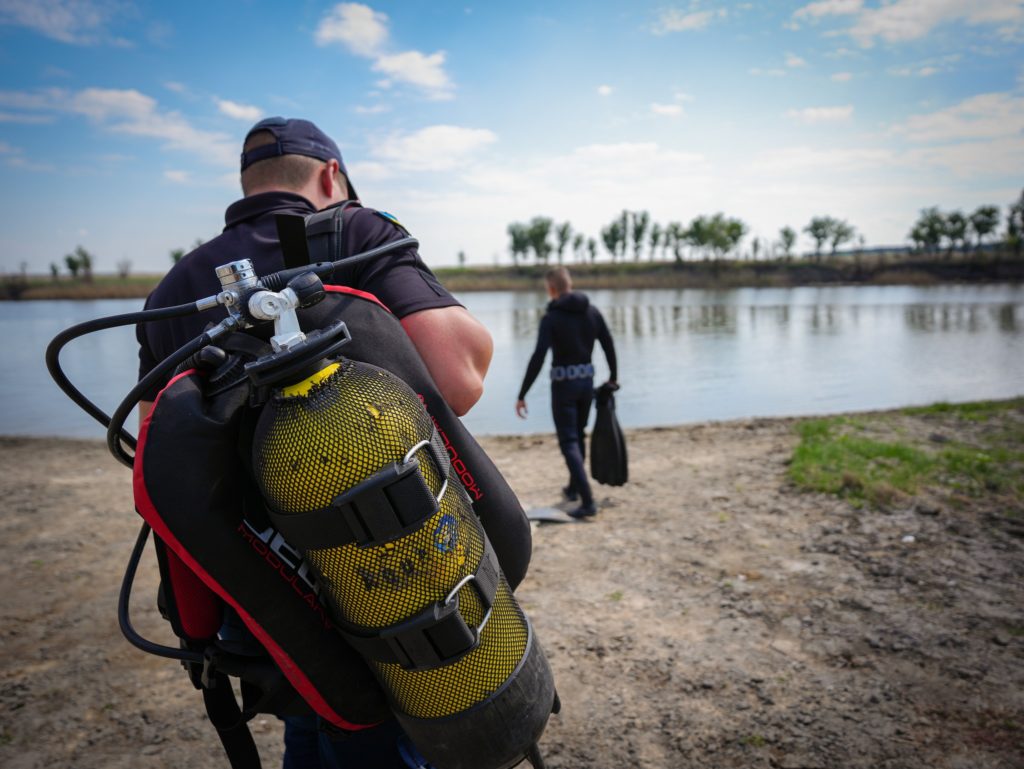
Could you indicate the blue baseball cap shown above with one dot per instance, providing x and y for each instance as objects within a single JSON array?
[{"x": 295, "y": 137}]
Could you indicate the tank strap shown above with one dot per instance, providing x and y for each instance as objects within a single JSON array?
[
  {"x": 438, "y": 635},
  {"x": 324, "y": 231},
  {"x": 389, "y": 504}
]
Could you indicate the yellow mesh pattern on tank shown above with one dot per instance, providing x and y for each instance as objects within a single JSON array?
[
  {"x": 352, "y": 424},
  {"x": 452, "y": 688}
]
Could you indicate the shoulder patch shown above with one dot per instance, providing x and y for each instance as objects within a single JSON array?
[{"x": 393, "y": 219}]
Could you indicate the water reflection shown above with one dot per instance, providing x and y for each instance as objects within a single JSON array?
[{"x": 684, "y": 355}]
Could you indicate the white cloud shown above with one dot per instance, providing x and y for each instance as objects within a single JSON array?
[
  {"x": 789, "y": 161},
  {"x": 171, "y": 85},
  {"x": 842, "y": 77},
  {"x": 80, "y": 22},
  {"x": 673, "y": 20},
  {"x": 13, "y": 117},
  {"x": 759, "y": 72},
  {"x": 999, "y": 157},
  {"x": 669, "y": 110},
  {"x": 904, "y": 20},
  {"x": 417, "y": 69},
  {"x": 792, "y": 60},
  {"x": 359, "y": 28},
  {"x": 128, "y": 112},
  {"x": 435, "y": 148},
  {"x": 828, "y": 8},
  {"x": 238, "y": 111},
  {"x": 364, "y": 32},
  {"x": 374, "y": 109},
  {"x": 178, "y": 177},
  {"x": 814, "y": 115},
  {"x": 986, "y": 116},
  {"x": 604, "y": 90}
]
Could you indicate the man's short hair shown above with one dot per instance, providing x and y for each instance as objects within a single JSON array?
[
  {"x": 559, "y": 279},
  {"x": 291, "y": 172}
]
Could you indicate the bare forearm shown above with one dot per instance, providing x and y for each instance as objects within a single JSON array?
[{"x": 456, "y": 349}]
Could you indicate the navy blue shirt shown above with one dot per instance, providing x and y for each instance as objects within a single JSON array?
[
  {"x": 400, "y": 280},
  {"x": 569, "y": 328}
]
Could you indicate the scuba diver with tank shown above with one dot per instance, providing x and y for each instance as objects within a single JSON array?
[{"x": 327, "y": 531}]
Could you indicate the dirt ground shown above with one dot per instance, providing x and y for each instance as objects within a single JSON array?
[{"x": 710, "y": 616}]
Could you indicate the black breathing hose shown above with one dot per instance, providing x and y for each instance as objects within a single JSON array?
[
  {"x": 115, "y": 431},
  {"x": 124, "y": 599},
  {"x": 118, "y": 438},
  {"x": 99, "y": 324}
]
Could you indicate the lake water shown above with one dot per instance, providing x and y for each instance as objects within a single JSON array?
[{"x": 684, "y": 355}]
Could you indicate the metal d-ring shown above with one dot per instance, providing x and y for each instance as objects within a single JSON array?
[
  {"x": 483, "y": 599},
  {"x": 408, "y": 458}
]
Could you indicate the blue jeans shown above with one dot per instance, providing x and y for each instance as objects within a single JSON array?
[
  {"x": 570, "y": 407},
  {"x": 384, "y": 747}
]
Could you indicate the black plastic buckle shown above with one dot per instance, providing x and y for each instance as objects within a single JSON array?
[
  {"x": 387, "y": 505},
  {"x": 439, "y": 635}
]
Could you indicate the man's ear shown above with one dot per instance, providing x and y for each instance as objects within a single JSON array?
[{"x": 329, "y": 179}]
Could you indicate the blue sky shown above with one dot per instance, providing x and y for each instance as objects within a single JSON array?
[{"x": 120, "y": 121}]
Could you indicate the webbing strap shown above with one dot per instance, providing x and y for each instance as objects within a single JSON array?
[
  {"x": 389, "y": 504},
  {"x": 231, "y": 725},
  {"x": 439, "y": 634}
]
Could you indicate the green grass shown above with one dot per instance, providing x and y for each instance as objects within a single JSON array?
[
  {"x": 836, "y": 457},
  {"x": 978, "y": 411}
]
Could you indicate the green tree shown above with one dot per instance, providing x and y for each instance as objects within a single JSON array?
[
  {"x": 641, "y": 221},
  {"x": 676, "y": 238},
  {"x": 657, "y": 233},
  {"x": 755, "y": 247},
  {"x": 592, "y": 249},
  {"x": 929, "y": 229},
  {"x": 84, "y": 263},
  {"x": 539, "y": 229},
  {"x": 124, "y": 268},
  {"x": 984, "y": 221},
  {"x": 54, "y": 272},
  {"x": 1015, "y": 224},
  {"x": 820, "y": 228},
  {"x": 698, "y": 234},
  {"x": 578, "y": 241},
  {"x": 462, "y": 258},
  {"x": 839, "y": 233},
  {"x": 563, "y": 234},
  {"x": 954, "y": 228},
  {"x": 520, "y": 245},
  {"x": 624, "y": 232},
  {"x": 71, "y": 260},
  {"x": 787, "y": 239},
  {"x": 611, "y": 236},
  {"x": 177, "y": 254}
]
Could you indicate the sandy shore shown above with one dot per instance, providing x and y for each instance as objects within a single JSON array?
[{"x": 711, "y": 616}]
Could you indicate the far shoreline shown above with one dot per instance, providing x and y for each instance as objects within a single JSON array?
[{"x": 875, "y": 269}]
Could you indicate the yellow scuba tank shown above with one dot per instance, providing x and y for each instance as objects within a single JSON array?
[{"x": 355, "y": 475}]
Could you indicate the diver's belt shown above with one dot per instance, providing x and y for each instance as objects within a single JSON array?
[
  {"x": 385, "y": 506},
  {"x": 572, "y": 371}
]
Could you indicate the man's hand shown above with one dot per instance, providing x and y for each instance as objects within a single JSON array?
[{"x": 521, "y": 410}]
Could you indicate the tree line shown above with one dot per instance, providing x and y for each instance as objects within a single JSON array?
[{"x": 634, "y": 234}]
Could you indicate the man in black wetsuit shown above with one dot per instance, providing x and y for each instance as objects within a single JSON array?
[
  {"x": 292, "y": 167},
  {"x": 569, "y": 327}
]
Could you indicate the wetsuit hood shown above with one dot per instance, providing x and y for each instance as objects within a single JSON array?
[{"x": 574, "y": 301}]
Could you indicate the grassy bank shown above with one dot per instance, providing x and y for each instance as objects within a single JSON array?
[
  {"x": 940, "y": 455},
  {"x": 874, "y": 269}
]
